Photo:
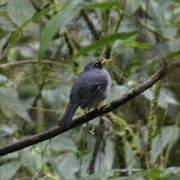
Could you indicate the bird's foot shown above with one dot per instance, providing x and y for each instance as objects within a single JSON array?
[{"x": 100, "y": 106}]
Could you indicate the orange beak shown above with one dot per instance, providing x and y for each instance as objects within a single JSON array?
[{"x": 104, "y": 61}]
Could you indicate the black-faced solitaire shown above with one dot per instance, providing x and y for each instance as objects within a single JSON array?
[{"x": 92, "y": 87}]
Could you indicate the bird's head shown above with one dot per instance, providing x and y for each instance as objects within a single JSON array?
[{"x": 97, "y": 64}]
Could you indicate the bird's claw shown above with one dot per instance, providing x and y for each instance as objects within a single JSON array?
[{"x": 100, "y": 107}]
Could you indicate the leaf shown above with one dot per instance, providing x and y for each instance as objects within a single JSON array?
[
  {"x": 104, "y": 41},
  {"x": 161, "y": 50},
  {"x": 2, "y": 2},
  {"x": 13, "y": 37},
  {"x": 131, "y": 157},
  {"x": 163, "y": 7},
  {"x": 107, "y": 161},
  {"x": 116, "y": 92},
  {"x": 32, "y": 158},
  {"x": 8, "y": 170},
  {"x": 132, "y": 5},
  {"x": 172, "y": 171},
  {"x": 174, "y": 55},
  {"x": 159, "y": 174},
  {"x": 168, "y": 137},
  {"x": 48, "y": 173},
  {"x": 59, "y": 20},
  {"x": 20, "y": 11},
  {"x": 7, "y": 130},
  {"x": 68, "y": 165},
  {"x": 166, "y": 97},
  {"x": 6, "y": 25},
  {"x": 63, "y": 143},
  {"x": 10, "y": 104},
  {"x": 155, "y": 173},
  {"x": 105, "y": 5},
  {"x": 138, "y": 44}
]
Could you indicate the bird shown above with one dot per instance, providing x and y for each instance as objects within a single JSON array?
[{"x": 89, "y": 90}]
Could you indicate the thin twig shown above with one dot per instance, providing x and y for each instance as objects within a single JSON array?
[
  {"x": 39, "y": 94},
  {"x": 22, "y": 62}
]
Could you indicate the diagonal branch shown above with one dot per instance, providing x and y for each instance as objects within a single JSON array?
[
  {"x": 164, "y": 70},
  {"x": 90, "y": 25}
]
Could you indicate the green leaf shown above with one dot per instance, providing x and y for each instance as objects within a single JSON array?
[
  {"x": 105, "y": 5},
  {"x": 32, "y": 158},
  {"x": 155, "y": 173},
  {"x": 63, "y": 143},
  {"x": 159, "y": 174},
  {"x": 59, "y": 20},
  {"x": 20, "y": 11},
  {"x": 104, "y": 41},
  {"x": 8, "y": 170},
  {"x": 48, "y": 173},
  {"x": 10, "y": 104},
  {"x": 164, "y": 49},
  {"x": 172, "y": 172},
  {"x": 107, "y": 160},
  {"x": 2, "y": 2},
  {"x": 68, "y": 165},
  {"x": 5, "y": 24},
  {"x": 174, "y": 55},
  {"x": 13, "y": 37},
  {"x": 138, "y": 44},
  {"x": 167, "y": 138},
  {"x": 165, "y": 99}
]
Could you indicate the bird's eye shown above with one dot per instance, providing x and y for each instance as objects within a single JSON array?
[{"x": 97, "y": 65}]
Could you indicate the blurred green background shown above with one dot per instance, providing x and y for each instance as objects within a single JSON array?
[{"x": 43, "y": 47}]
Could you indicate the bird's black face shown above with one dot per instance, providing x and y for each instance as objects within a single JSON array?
[{"x": 93, "y": 65}]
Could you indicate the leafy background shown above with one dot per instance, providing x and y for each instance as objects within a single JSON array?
[{"x": 43, "y": 47}]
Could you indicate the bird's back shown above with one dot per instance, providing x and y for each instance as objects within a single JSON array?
[{"x": 90, "y": 88}]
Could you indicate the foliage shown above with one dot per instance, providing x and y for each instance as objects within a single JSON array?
[{"x": 43, "y": 47}]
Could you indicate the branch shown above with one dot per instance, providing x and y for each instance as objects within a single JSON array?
[
  {"x": 69, "y": 43},
  {"x": 98, "y": 145},
  {"x": 39, "y": 94},
  {"x": 90, "y": 24},
  {"x": 164, "y": 70},
  {"x": 22, "y": 62}
]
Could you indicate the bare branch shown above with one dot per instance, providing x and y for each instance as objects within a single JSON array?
[
  {"x": 164, "y": 70},
  {"x": 22, "y": 62},
  {"x": 90, "y": 25}
]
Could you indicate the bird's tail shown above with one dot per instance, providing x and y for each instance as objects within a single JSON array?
[{"x": 67, "y": 117}]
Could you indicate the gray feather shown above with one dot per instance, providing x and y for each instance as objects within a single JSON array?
[{"x": 67, "y": 117}]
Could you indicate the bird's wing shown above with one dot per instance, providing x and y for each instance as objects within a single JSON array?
[{"x": 89, "y": 90}]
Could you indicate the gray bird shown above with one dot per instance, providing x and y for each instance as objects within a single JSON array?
[{"x": 92, "y": 87}]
